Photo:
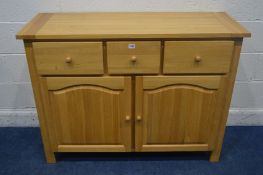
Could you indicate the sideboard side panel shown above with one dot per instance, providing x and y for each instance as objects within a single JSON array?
[
  {"x": 49, "y": 153},
  {"x": 228, "y": 90}
]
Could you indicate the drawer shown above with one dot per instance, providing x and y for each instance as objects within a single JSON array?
[
  {"x": 128, "y": 57},
  {"x": 68, "y": 57},
  {"x": 197, "y": 56}
]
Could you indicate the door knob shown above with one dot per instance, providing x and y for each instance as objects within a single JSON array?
[
  {"x": 127, "y": 118},
  {"x": 198, "y": 59},
  {"x": 139, "y": 118},
  {"x": 68, "y": 60},
  {"x": 133, "y": 59}
]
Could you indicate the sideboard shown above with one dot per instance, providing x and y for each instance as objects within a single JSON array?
[{"x": 132, "y": 82}]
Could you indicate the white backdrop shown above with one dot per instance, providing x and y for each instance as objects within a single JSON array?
[{"x": 17, "y": 106}]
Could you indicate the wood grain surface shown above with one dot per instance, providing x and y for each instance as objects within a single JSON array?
[{"x": 132, "y": 25}]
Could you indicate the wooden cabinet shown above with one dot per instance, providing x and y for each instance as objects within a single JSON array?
[{"x": 125, "y": 82}]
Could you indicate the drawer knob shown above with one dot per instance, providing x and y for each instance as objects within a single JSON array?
[
  {"x": 133, "y": 59},
  {"x": 139, "y": 118},
  {"x": 127, "y": 118},
  {"x": 198, "y": 59},
  {"x": 68, "y": 60}
]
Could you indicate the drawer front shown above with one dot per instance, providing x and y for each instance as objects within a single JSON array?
[
  {"x": 197, "y": 56},
  {"x": 128, "y": 57},
  {"x": 68, "y": 57}
]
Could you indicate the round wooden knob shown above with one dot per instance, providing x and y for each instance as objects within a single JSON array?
[
  {"x": 139, "y": 118},
  {"x": 68, "y": 60},
  {"x": 198, "y": 59},
  {"x": 133, "y": 59},
  {"x": 127, "y": 118}
]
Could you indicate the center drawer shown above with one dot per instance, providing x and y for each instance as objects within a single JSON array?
[{"x": 128, "y": 57}]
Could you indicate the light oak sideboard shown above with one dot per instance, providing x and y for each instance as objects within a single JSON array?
[{"x": 132, "y": 82}]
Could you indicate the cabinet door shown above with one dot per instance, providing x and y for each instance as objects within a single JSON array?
[
  {"x": 89, "y": 113},
  {"x": 175, "y": 113}
]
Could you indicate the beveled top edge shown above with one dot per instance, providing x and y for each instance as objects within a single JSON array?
[{"x": 37, "y": 27}]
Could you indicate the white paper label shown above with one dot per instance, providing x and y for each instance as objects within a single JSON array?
[{"x": 131, "y": 46}]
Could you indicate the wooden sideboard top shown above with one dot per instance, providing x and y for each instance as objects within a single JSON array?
[{"x": 120, "y": 25}]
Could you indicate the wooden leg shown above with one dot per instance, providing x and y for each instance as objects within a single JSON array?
[
  {"x": 214, "y": 156},
  {"x": 50, "y": 157}
]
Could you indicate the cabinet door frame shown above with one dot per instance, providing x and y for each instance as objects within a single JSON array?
[
  {"x": 156, "y": 82},
  {"x": 113, "y": 83}
]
